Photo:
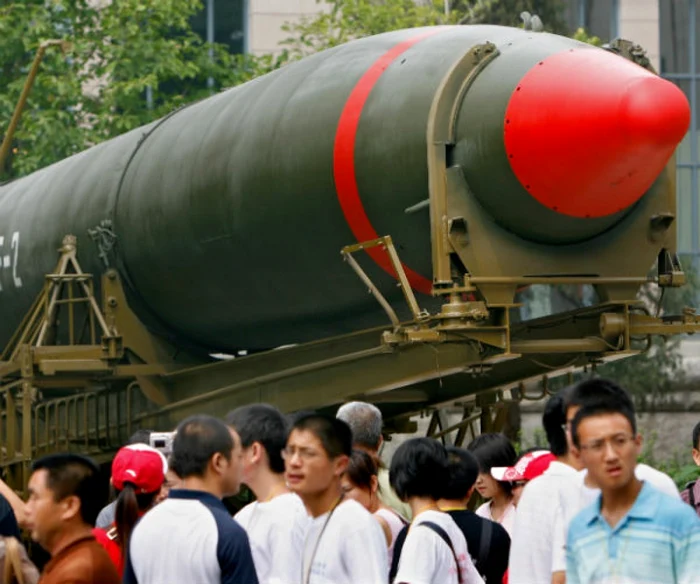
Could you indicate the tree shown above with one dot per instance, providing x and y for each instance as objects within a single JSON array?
[
  {"x": 339, "y": 21},
  {"x": 132, "y": 61}
]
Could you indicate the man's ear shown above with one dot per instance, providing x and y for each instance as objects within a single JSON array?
[
  {"x": 256, "y": 452},
  {"x": 638, "y": 441},
  {"x": 340, "y": 465},
  {"x": 696, "y": 456},
  {"x": 218, "y": 463},
  {"x": 70, "y": 508}
]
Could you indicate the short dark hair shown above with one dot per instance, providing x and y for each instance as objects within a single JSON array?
[
  {"x": 197, "y": 439},
  {"x": 554, "y": 422},
  {"x": 265, "y": 424},
  {"x": 73, "y": 475},
  {"x": 463, "y": 471},
  {"x": 334, "y": 434},
  {"x": 614, "y": 405},
  {"x": 361, "y": 468},
  {"x": 696, "y": 436},
  {"x": 493, "y": 449},
  {"x": 597, "y": 391},
  {"x": 140, "y": 437},
  {"x": 419, "y": 468}
]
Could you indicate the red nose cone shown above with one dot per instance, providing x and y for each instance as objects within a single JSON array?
[{"x": 587, "y": 132}]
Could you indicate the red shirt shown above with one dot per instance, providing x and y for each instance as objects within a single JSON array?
[{"x": 107, "y": 538}]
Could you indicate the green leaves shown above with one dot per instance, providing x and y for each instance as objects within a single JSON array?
[{"x": 131, "y": 62}]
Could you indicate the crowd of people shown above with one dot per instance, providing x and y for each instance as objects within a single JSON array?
[{"x": 328, "y": 511}]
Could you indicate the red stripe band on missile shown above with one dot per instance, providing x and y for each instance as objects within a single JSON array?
[{"x": 344, "y": 162}]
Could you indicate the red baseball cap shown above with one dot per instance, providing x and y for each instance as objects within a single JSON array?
[
  {"x": 142, "y": 466},
  {"x": 532, "y": 465}
]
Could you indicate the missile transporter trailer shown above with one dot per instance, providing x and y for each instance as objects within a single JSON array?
[{"x": 359, "y": 222}]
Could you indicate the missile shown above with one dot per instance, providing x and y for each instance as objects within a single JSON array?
[{"x": 225, "y": 219}]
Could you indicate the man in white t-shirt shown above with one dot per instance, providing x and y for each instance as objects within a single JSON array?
[
  {"x": 344, "y": 543},
  {"x": 276, "y": 523},
  {"x": 435, "y": 549},
  {"x": 535, "y": 555}
]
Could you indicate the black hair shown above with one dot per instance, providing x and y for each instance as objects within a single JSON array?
[
  {"x": 613, "y": 406},
  {"x": 493, "y": 449},
  {"x": 600, "y": 396},
  {"x": 419, "y": 468},
  {"x": 140, "y": 437},
  {"x": 130, "y": 506},
  {"x": 598, "y": 391},
  {"x": 334, "y": 434},
  {"x": 73, "y": 475},
  {"x": 197, "y": 440},
  {"x": 361, "y": 468},
  {"x": 696, "y": 436},
  {"x": 463, "y": 471},
  {"x": 265, "y": 424},
  {"x": 554, "y": 422}
]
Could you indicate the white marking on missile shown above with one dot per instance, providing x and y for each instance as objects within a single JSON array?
[
  {"x": 15, "y": 246},
  {"x": 6, "y": 261}
]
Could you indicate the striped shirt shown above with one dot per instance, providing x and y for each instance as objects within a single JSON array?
[{"x": 657, "y": 542}]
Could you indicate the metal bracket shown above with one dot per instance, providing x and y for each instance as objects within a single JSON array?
[
  {"x": 441, "y": 132},
  {"x": 41, "y": 321},
  {"x": 387, "y": 245},
  {"x": 669, "y": 269}
]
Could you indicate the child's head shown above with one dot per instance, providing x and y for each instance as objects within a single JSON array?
[{"x": 492, "y": 450}]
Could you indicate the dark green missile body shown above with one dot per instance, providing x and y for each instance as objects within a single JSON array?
[{"x": 226, "y": 218}]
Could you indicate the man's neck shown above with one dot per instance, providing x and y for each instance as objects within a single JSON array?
[
  {"x": 266, "y": 485},
  {"x": 67, "y": 536},
  {"x": 617, "y": 502},
  {"x": 420, "y": 504},
  {"x": 195, "y": 483},
  {"x": 570, "y": 460},
  {"x": 451, "y": 504},
  {"x": 323, "y": 502}
]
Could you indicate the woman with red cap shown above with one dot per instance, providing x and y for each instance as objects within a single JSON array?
[{"x": 138, "y": 476}]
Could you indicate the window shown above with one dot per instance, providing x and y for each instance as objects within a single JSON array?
[
  {"x": 680, "y": 58},
  {"x": 224, "y": 22},
  {"x": 598, "y": 17}
]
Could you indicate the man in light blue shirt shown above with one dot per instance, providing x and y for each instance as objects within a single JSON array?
[{"x": 632, "y": 533}]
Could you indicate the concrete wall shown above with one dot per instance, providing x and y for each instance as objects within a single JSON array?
[
  {"x": 266, "y": 18},
  {"x": 639, "y": 22}
]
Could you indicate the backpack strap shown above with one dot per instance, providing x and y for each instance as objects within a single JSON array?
[
  {"x": 691, "y": 494},
  {"x": 446, "y": 538},
  {"x": 485, "y": 543},
  {"x": 398, "y": 548}
]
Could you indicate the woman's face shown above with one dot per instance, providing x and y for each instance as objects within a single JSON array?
[
  {"x": 362, "y": 496},
  {"x": 487, "y": 486}
]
